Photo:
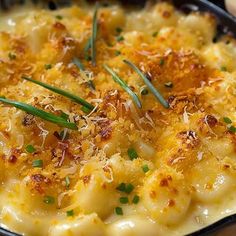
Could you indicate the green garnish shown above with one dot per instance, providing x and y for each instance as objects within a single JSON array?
[
  {"x": 126, "y": 188},
  {"x": 155, "y": 34},
  {"x": 162, "y": 62},
  {"x": 132, "y": 153},
  {"x": 94, "y": 35},
  {"x": 37, "y": 163},
  {"x": 169, "y": 85},
  {"x": 149, "y": 84},
  {"x": 59, "y": 17},
  {"x": 124, "y": 200},
  {"x": 85, "y": 110},
  {"x": 64, "y": 115},
  {"x": 123, "y": 84},
  {"x": 118, "y": 30},
  {"x": 232, "y": 129},
  {"x": 64, "y": 93},
  {"x": 120, "y": 38},
  {"x": 11, "y": 56},
  {"x": 145, "y": 168},
  {"x": 136, "y": 199},
  {"x": 30, "y": 149},
  {"x": 119, "y": 211},
  {"x": 144, "y": 91},
  {"x": 121, "y": 187},
  {"x": 223, "y": 68},
  {"x": 227, "y": 120},
  {"x": 49, "y": 200},
  {"x": 67, "y": 180},
  {"x": 40, "y": 113},
  {"x": 117, "y": 53},
  {"x": 129, "y": 188},
  {"x": 48, "y": 66},
  {"x": 70, "y": 213}
]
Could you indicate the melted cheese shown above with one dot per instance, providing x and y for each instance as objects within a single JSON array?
[{"x": 184, "y": 175}]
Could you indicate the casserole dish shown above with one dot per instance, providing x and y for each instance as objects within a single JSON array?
[{"x": 207, "y": 122}]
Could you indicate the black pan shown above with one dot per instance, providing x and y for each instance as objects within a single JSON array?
[{"x": 226, "y": 24}]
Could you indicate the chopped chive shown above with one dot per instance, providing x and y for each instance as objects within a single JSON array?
[
  {"x": 48, "y": 66},
  {"x": 232, "y": 129},
  {"x": 144, "y": 91},
  {"x": 129, "y": 188},
  {"x": 37, "y": 163},
  {"x": 120, "y": 38},
  {"x": 155, "y": 34},
  {"x": 40, "y": 113},
  {"x": 49, "y": 200},
  {"x": 94, "y": 35},
  {"x": 85, "y": 110},
  {"x": 70, "y": 213},
  {"x": 117, "y": 53},
  {"x": 162, "y": 62},
  {"x": 227, "y": 120},
  {"x": 136, "y": 199},
  {"x": 119, "y": 211},
  {"x": 118, "y": 30},
  {"x": 67, "y": 180},
  {"x": 169, "y": 84},
  {"x": 149, "y": 84},
  {"x": 223, "y": 68},
  {"x": 132, "y": 153},
  {"x": 64, "y": 116},
  {"x": 124, "y": 200},
  {"x": 145, "y": 168},
  {"x": 78, "y": 63},
  {"x": 64, "y": 93},
  {"x": 126, "y": 188},
  {"x": 11, "y": 56},
  {"x": 59, "y": 17},
  {"x": 30, "y": 149},
  {"x": 123, "y": 84},
  {"x": 121, "y": 187}
]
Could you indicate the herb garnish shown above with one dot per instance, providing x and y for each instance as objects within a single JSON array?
[
  {"x": 70, "y": 213},
  {"x": 119, "y": 211},
  {"x": 145, "y": 168},
  {"x": 64, "y": 93},
  {"x": 37, "y": 163},
  {"x": 30, "y": 149},
  {"x": 132, "y": 153},
  {"x": 124, "y": 200},
  {"x": 123, "y": 84},
  {"x": 135, "y": 199},
  {"x": 149, "y": 84},
  {"x": 40, "y": 113},
  {"x": 49, "y": 200},
  {"x": 48, "y": 66}
]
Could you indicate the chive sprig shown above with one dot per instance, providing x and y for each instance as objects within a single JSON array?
[
  {"x": 40, "y": 113},
  {"x": 64, "y": 93},
  {"x": 155, "y": 92},
  {"x": 124, "y": 85}
]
